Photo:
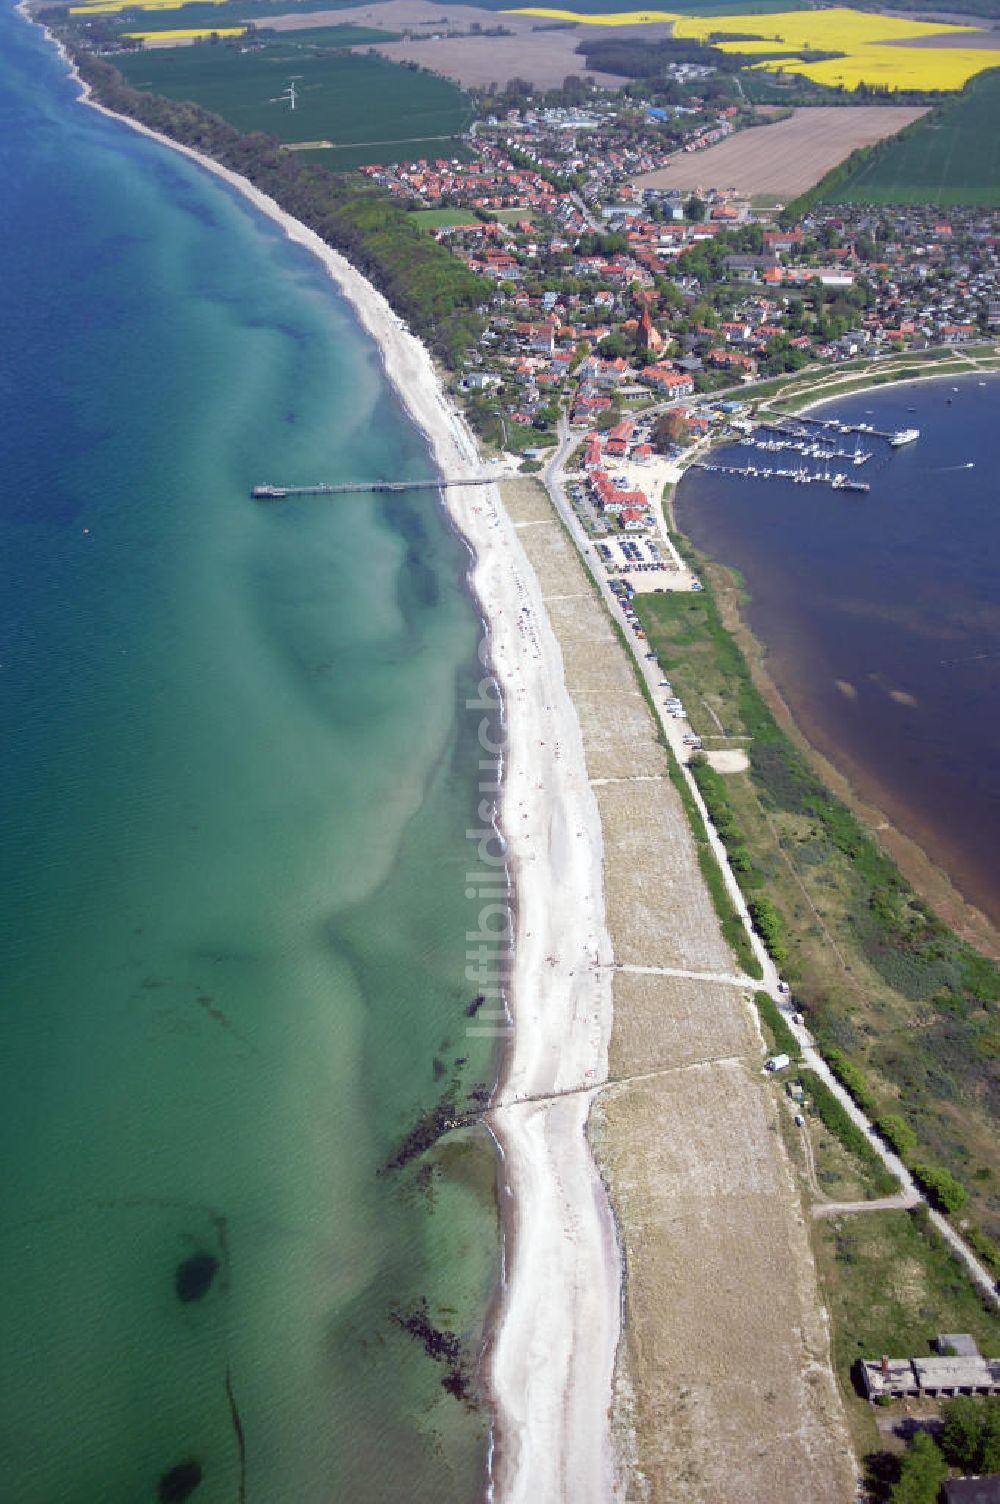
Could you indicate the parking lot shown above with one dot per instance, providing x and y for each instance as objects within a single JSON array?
[
  {"x": 645, "y": 558},
  {"x": 641, "y": 560}
]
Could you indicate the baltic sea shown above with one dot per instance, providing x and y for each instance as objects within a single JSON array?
[{"x": 236, "y": 784}]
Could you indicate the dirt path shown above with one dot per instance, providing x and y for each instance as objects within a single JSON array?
[
  {"x": 731, "y": 980},
  {"x": 900, "y": 1203}
]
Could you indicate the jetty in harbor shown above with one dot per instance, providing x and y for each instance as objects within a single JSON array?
[
  {"x": 813, "y": 448},
  {"x": 268, "y": 492},
  {"x": 799, "y": 475},
  {"x": 785, "y": 423}
]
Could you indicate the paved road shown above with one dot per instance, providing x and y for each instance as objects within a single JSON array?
[
  {"x": 592, "y": 223},
  {"x": 675, "y": 731}
]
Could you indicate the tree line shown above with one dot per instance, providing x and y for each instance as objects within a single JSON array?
[{"x": 438, "y": 296}]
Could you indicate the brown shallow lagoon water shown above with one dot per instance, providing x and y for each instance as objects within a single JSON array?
[{"x": 880, "y": 613}]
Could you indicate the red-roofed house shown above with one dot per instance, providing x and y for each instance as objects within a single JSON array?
[
  {"x": 616, "y": 443},
  {"x": 732, "y": 360},
  {"x": 670, "y": 383},
  {"x": 782, "y": 240}
]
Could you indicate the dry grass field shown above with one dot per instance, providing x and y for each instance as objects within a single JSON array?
[
  {"x": 663, "y": 1023},
  {"x": 783, "y": 159},
  {"x": 726, "y": 1386},
  {"x": 475, "y": 62},
  {"x": 724, "y": 1389},
  {"x": 542, "y": 56}
]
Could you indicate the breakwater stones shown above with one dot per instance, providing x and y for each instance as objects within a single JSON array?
[
  {"x": 180, "y": 1482},
  {"x": 194, "y": 1277},
  {"x": 443, "y": 1347}
]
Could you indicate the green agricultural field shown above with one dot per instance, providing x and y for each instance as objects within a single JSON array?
[
  {"x": 416, "y": 149},
  {"x": 369, "y": 109},
  {"x": 510, "y": 216},
  {"x": 433, "y": 219},
  {"x": 950, "y": 157}
]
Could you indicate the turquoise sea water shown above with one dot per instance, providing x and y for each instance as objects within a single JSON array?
[{"x": 236, "y": 781}]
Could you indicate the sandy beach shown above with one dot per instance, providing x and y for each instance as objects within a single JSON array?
[
  {"x": 724, "y": 1388},
  {"x": 550, "y": 1359}
]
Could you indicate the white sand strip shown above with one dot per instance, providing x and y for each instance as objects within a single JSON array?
[{"x": 551, "y": 1361}]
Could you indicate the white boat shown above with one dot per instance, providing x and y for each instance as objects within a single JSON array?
[{"x": 904, "y": 436}]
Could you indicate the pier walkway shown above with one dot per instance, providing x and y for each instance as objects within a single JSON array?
[
  {"x": 343, "y": 488},
  {"x": 784, "y": 422}
]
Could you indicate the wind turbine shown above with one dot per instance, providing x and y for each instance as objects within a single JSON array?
[{"x": 289, "y": 94}]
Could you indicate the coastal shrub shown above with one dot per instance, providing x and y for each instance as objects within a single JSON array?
[
  {"x": 777, "y": 779},
  {"x": 893, "y": 922},
  {"x": 921, "y": 1473},
  {"x": 984, "y": 1248},
  {"x": 897, "y": 1133},
  {"x": 783, "y": 1039},
  {"x": 940, "y": 1187},
  {"x": 834, "y": 1117},
  {"x": 970, "y": 1434},
  {"x": 916, "y": 969},
  {"x": 712, "y": 787},
  {"x": 981, "y": 977},
  {"x": 851, "y": 1077},
  {"x": 768, "y": 923},
  {"x": 733, "y": 930}
]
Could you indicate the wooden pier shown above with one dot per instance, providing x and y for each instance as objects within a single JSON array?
[
  {"x": 279, "y": 493},
  {"x": 799, "y": 476},
  {"x": 784, "y": 423}
]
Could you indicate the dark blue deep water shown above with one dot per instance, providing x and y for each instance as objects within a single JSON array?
[
  {"x": 235, "y": 785},
  {"x": 881, "y": 613}
]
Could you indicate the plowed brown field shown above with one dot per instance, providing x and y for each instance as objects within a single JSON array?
[
  {"x": 533, "y": 50},
  {"x": 783, "y": 159}
]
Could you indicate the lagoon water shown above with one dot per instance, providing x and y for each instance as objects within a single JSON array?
[
  {"x": 881, "y": 612},
  {"x": 235, "y": 789}
]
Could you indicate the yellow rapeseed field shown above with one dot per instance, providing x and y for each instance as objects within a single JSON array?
[
  {"x": 814, "y": 30},
  {"x": 193, "y": 35},
  {"x": 945, "y": 68},
  {"x": 107, "y": 7},
  {"x": 868, "y": 42}
]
